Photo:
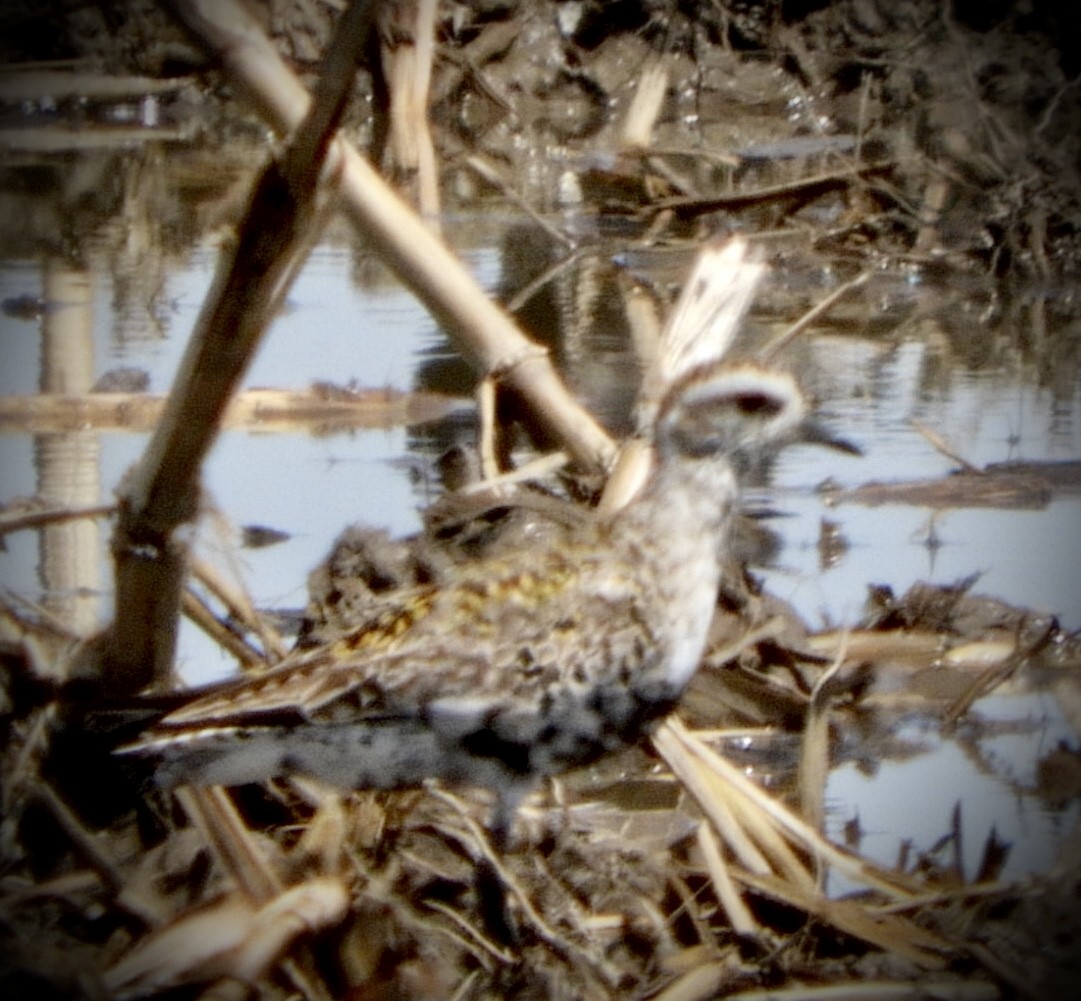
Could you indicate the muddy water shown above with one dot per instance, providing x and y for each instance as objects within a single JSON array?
[{"x": 980, "y": 369}]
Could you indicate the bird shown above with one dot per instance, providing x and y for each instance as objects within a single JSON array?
[{"x": 519, "y": 666}]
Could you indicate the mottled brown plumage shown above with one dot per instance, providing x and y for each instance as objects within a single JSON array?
[{"x": 523, "y": 665}]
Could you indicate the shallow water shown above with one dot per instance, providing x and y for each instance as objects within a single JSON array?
[{"x": 346, "y": 320}]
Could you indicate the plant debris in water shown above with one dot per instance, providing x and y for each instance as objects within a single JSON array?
[
  {"x": 113, "y": 891},
  {"x": 667, "y": 874}
]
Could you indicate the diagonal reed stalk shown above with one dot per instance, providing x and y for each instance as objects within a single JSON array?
[{"x": 161, "y": 494}]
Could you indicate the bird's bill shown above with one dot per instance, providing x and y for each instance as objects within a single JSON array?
[{"x": 814, "y": 432}]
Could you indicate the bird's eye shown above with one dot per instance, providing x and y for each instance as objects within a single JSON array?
[{"x": 758, "y": 404}]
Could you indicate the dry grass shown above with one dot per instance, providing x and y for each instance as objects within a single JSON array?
[{"x": 675, "y": 878}]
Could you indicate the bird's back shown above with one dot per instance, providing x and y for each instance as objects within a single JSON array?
[{"x": 520, "y": 665}]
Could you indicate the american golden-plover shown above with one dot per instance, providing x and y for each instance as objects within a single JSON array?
[{"x": 520, "y": 666}]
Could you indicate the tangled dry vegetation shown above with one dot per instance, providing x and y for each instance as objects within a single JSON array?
[
  {"x": 669, "y": 874},
  {"x": 666, "y": 873},
  {"x": 951, "y": 132}
]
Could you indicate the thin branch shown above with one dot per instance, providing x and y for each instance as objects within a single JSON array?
[
  {"x": 771, "y": 350},
  {"x": 805, "y": 187},
  {"x": 15, "y": 521},
  {"x": 936, "y": 441}
]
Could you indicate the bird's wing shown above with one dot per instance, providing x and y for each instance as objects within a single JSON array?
[
  {"x": 492, "y": 641},
  {"x": 306, "y": 678}
]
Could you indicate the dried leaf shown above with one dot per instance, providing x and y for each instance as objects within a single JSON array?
[{"x": 230, "y": 937}]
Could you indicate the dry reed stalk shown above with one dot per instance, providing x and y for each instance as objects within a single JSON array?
[
  {"x": 937, "y": 442},
  {"x": 699, "y": 984},
  {"x": 739, "y": 914},
  {"x": 894, "y": 885},
  {"x": 869, "y": 990},
  {"x": 483, "y": 332},
  {"x": 1025, "y": 649},
  {"x": 228, "y": 639},
  {"x": 853, "y": 917},
  {"x": 491, "y": 857},
  {"x": 814, "y": 760},
  {"x": 239, "y": 605},
  {"x": 232, "y": 941},
  {"x": 750, "y": 832},
  {"x": 488, "y": 432},
  {"x": 643, "y": 321},
  {"x": 162, "y": 492},
  {"x": 819, "y": 309},
  {"x": 541, "y": 468},
  {"x": 230, "y": 841}
]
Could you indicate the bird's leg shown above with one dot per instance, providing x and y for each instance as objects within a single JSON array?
[
  {"x": 489, "y": 885},
  {"x": 491, "y": 893},
  {"x": 490, "y": 881},
  {"x": 504, "y": 813}
]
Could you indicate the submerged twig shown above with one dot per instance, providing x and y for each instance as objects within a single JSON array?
[{"x": 487, "y": 172}]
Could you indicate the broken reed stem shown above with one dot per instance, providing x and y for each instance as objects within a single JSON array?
[
  {"x": 162, "y": 492},
  {"x": 700, "y": 329},
  {"x": 483, "y": 332},
  {"x": 406, "y": 54},
  {"x": 213, "y": 812},
  {"x": 813, "y": 770},
  {"x": 645, "y": 107}
]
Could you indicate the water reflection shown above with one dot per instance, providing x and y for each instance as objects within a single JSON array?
[
  {"x": 998, "y": 378},
  {"x": 67, "y": 463}
]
